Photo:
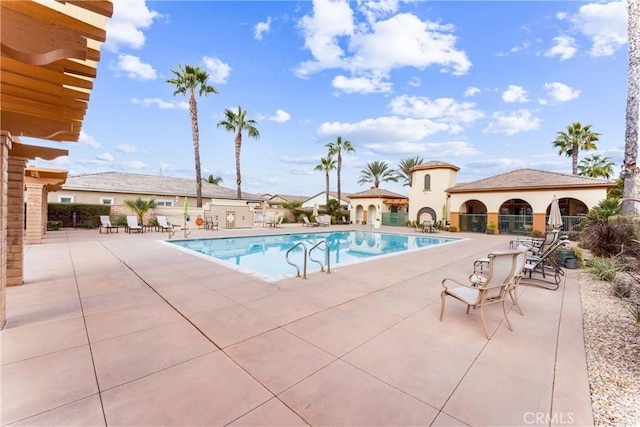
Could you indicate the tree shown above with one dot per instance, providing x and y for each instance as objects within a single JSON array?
[
  {"x": 629, "y": 167},
  {"x": 596, "y": 166},
  {"x": 140, "y": 207},
  {"x": 189, "y": 79},
  {"x": 327, "y": 164},
  {"x": 404, "y": 169},
  {"x": 336, "y": 148},
  {"x": 238, "y": 122},
  {"x": 217, "y": 180},
  {"x": 576, "y": 138},
  {"x": 377, "y": 172}
]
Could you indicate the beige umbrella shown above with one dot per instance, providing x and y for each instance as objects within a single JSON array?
[
  {"x": 315, "y": 211},
  {"x": 555, "y": 217}
]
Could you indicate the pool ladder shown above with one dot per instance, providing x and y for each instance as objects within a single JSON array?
[{"x": 307, "y": 254}]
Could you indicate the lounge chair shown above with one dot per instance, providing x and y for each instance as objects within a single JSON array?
[
  {"x": 494, "y": 288},
  {"x": 427, "y": 226},
  {"x": 547, "y": 264},
  {"x": 324, "y": 220},
  {"x": 278, "y": 223},
  {"x": 105, "y": 222},
  {"x": 210, "y": 224},
  {"x": 308, "y": 223},
  {"x": 163, "y": 224},
  {"x": 132, "y": 224}
]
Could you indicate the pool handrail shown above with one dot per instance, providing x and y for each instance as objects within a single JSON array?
[
  {"x": 305, "y": 259},
  {"x": 328, "y": 256}
]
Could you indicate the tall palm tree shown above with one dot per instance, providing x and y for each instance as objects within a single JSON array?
[
  {"x": 576, "y": 138},
  {"x": 189, "y": 79},
  {"x": 629, "y": 167},
  {"x": 404, "y": 169},
  {"x": 327, "y": 164},
  {"x": 596, "y": 166},
  {"x": 336, "y": 148},
  {"x": 217, "y": 180},
  {"x": 377, "y": 172},
  {"x": 238, "y": 122},
  {"x": 140, "y": 207}
]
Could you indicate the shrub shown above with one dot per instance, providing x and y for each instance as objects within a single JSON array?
[
  {"x": 609, "y": 238},
  {"x": 54, "y": 225},
  {"x": 63, "y": 212},
  {"x": 604, "y": 268},
  {"x": 453, "y": 229},
  {"x": 537, "y": 234},
  {"x": 121, "y": 219}
]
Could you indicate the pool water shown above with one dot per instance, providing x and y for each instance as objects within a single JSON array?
[{"x": 265, "y": 256}]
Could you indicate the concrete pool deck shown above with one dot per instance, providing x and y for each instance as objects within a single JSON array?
[{"x": 117, "y": 329}]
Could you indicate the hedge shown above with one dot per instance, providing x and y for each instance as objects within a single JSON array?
[{"x": 87, "y": 215}]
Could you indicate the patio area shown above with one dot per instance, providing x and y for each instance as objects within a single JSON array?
[{"x": 118, "y": 329}]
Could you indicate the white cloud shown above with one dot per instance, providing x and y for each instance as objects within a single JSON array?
[
  {"x": 281, "y": 116},
  {"x": 261, "y": 28},
  {"x": 441, "y": 109},
  {"x": 373, "y": 46},
  {"x": 515, "y": 94},
  {"x": 565, "y": 48},
  {"x": 105, "y": 157},
  {"x": 89, "y": 140},
  {"x": 218, "y": 70},
  {"x": 376, "y": 9},
  {"x": 435, "y": 149},
  {"x": 471, "y": 91},
  {"x": 160, "y": 103},
  {"x": 525, "y": 45},
  {"x": 511, "y": 124},
  {"x": 127, "y": 148},
  {"x": 362, "y": 85},
  {"x": 560, "y": 92},
  {"x": 386, "y": 129},
  {"x": 605, "y": 24},
  {"x": 415, "y": 82},
  {"x": 136, "y": 164},
  {"x": 134, "y": 68},
  {"x": 130, "y": 17}
]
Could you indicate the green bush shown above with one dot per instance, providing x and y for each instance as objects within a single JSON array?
[
  {"x": 54, "y": 225},
  {"x": 604, "y": 268},
  {"x": 121, "y": 220},
  {"x": 453, "y": 229},
  {"x": 536, "y": 234},
  {"x": 87, "y": 215}
]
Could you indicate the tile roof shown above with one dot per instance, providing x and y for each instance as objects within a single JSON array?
[
  {"x": 377, "y": 192},
  {"x": 529, "y": 179},
  {"x": 289, "y": 197},
  {"x": 121, "y": 182},
  {"x": 434, "y": 164}
]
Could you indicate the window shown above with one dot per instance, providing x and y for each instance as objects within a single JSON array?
[
  {"x": 107, "y": 200},
  {"x": 65, "y": 199},
  {"x": 427, "y": 182},
  {"x": 164, "y": 202}
]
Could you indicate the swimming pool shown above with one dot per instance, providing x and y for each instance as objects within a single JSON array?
[{"x": 265, "y": 256}]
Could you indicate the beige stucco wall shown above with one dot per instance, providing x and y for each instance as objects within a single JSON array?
[
  {"x": 435, "y": 197},
  {"x": 369, "y": 209}
]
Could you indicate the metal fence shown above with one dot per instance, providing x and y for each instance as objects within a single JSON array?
[
  {"x": 514, "y": 224},
  {"x": 395, "y": 218}
]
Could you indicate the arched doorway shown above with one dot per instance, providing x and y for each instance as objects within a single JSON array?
[
  {"x": 473, "y": 216},
  {"x": 516, "y": 217},
  {"x": 426, "y": 214}
]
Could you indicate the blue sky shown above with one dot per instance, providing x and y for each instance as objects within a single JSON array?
[{"x": 482, "y": 85}]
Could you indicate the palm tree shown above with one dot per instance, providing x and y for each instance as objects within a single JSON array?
[
  {"x": 327, "y": 164},
  {"x": 404, "y": 169},
  {"x": 238, "y": 122},
  {"x": 377, "y": 172},
  {"x": 336, "y": 148},
  {"x": 576, "y": 138},
  {"x": 217, "y": 180},
  {"x": 140, "y": 207},
  {"x": 189, "y": 79},
  {"x": 596, "y": 166},
  {"x": 629, "y": 167}
]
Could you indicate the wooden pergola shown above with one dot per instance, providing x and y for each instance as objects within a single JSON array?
[{"x": 49, "y": 53}]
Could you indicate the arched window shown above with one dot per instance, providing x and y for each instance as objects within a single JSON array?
[{"x": 427, "y": 182}]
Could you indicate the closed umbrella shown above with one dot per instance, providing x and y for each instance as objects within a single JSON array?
[
  {"x": 315, "y": 211},
  {"x": 186, "y": 209},
  {"x": 555, "y": 217}
]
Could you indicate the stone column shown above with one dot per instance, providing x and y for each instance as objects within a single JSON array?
[
  {"x": 15, "y": 221},
  {"x": 36, "y": 217},
  {"x": 5, "y": 144}
]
